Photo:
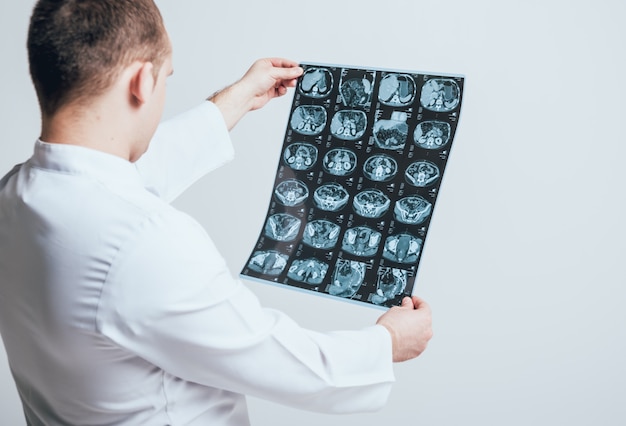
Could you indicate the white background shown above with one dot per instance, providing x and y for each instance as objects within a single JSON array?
[{"x": 523, "y": 264}]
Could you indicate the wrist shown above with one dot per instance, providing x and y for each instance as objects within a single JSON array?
[{"x": 232, "y": 103}]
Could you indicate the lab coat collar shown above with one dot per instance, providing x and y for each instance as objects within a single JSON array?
[{"x": 78, "y": 160}]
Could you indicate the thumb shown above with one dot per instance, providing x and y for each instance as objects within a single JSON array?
[
  {"x": 407, "y": 302},
  {"x": 287, "y": 73}
]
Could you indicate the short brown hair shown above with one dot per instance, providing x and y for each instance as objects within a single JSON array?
[{"x": 77, "y": 47}]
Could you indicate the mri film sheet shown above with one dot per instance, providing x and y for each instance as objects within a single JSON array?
[{"x": 361, "y": 167}]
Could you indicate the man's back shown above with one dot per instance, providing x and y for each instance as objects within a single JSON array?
[
  {"x": 63, "y": 226},
  {"x": 70, "y": 218}
]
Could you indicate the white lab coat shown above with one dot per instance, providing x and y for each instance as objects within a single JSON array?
[{"x": 117, "y": 309}]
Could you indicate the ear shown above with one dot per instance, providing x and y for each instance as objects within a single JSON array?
[{"x": 142, "y": 83}]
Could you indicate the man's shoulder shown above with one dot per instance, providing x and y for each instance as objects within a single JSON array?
[{"x": 5, "y": 179}]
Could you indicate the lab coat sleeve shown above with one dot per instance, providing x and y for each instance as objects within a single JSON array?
[
  {"x": 184, "y": 149},
  {"x": 171, "y": 300}
]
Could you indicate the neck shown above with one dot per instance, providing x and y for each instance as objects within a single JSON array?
[{"x": 99, "y": 127}]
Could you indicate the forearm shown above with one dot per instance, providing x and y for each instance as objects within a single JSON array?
[
  {"x": 233, "y": 103},
  {"x": 210, "y": 329}
]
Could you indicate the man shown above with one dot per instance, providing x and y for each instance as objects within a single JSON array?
[{"x": 117, "y": 309}]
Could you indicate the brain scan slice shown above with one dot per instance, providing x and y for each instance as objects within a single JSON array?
[
  {"x": 348, "y": 124},
  {"x": 402, "y": 248},
  {"x": 391, "y": 134},
  {"x": 396, "y": 90},
  {"x": 331, "y": 197},
  {"x": 268, "y": 262},
  {"x": 347, "y": 278},
  {"x": 432, "y": 134},
  {"x": 440, "y": 95},
  {"x": 422, "y": 173},
  {"x": 321, "y": 234},
  {"x": 309, "y": 119},
  {"x": 282, "y": 227},
  {"x": 412, "y": 210},
  {"x": 371, "y": 203},
  {"x": 291, "y": 192},
  {"x": 339, "y": 162},
  {"x": 316, "y": 83},
  {"x": 361, "y": 241},
  {"x": 390, "y": 283},
  {"x": 356, "y": 92},
  {"x": 380, "y": 168},
  {"x": 308, "y": 271},
  {"x": 300, "y": 156}
]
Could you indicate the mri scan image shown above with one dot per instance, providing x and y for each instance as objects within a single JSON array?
[
  {"x": 282, "y": 227},
  {"x": 380, "y": 168},
  {"x": 412, "y": 210},
  {"x": 348, "y": 125},
  {"x": 291, "y": 192},
  {"x": 331, "y": 197},
  {"x": 402, "y": 248},
  {"x": 440, "y": 95},
  {"x": 391, "y": 134},
  {"x": 356, "y": 92},
  {"x": 300, "y": 156},
  {"x": 421, "y": 173},
  {"x": 309, "y": 119},
  {"x": 396, "y": 90},
  {"x": 316, "y": 83},
  {"x": 339, "y": 161},
  {"x": 321, "y": 234},
  {"x": 361, "y": 241},
  {"x": 269, "y": 262},
  {"x": 390, "y": 283},
  {"x": 371, "y": 203},
  {"x": 347, "y": 278},
  {"x": 362, "y": 160},
  {"x": 432, "y": 134},
  {"x": 308, "y": 271}
]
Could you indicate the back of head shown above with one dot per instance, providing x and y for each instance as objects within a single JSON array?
[{"x": 76, "y": 48}]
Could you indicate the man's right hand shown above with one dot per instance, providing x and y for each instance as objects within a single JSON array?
[
  {"x": 265, "y": 80},
  {"x": 410, "y": 326}
]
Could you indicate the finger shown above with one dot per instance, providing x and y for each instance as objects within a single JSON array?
[
  {"x": 290, "y": 83},
  {"x": 287, "y": 74},
  {"x": 420, "y": 303},
  {"x": 283, "y": 62}
]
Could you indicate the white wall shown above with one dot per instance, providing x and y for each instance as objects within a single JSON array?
[{"x": 523, "y": 263}]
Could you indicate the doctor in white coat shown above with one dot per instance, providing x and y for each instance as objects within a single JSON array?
[{"x": 117, "y": 309}]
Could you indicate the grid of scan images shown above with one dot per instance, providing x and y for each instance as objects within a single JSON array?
[{"x": 360, "y": 170}]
